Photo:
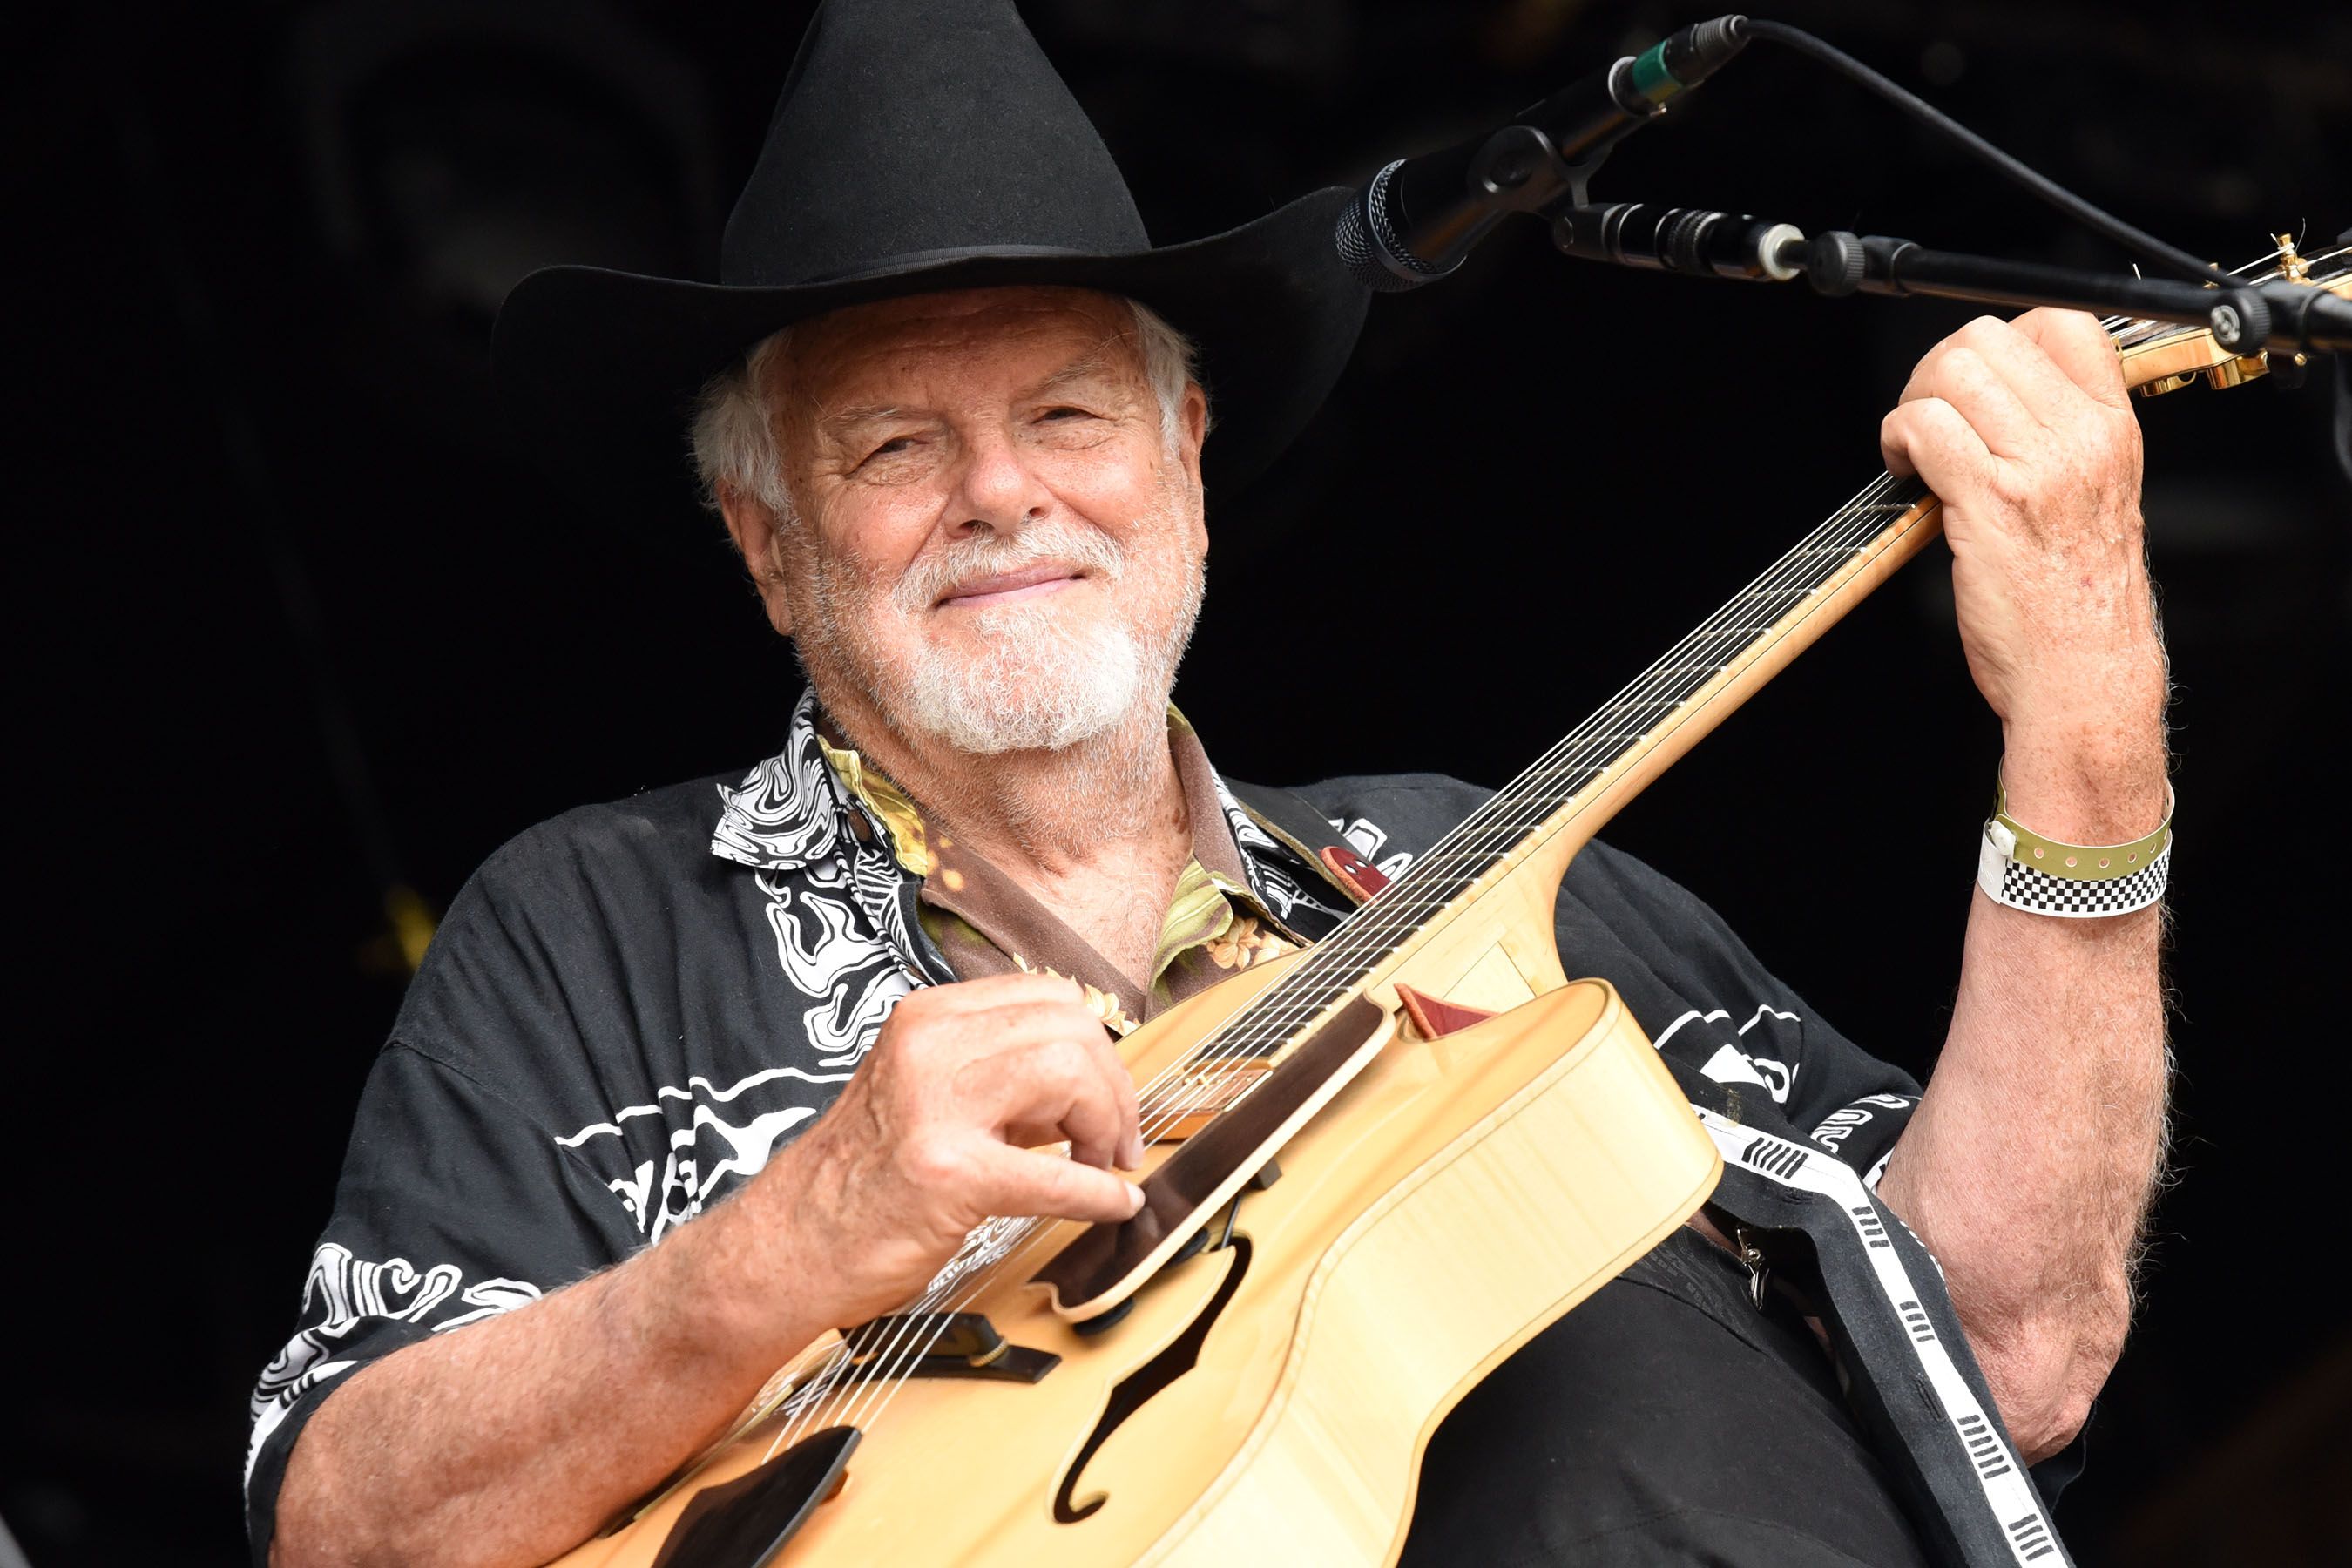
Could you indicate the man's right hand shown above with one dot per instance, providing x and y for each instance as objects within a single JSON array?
[
  {"x": 939, "y": 1129},
  {"x": 510, "y": 1445}
]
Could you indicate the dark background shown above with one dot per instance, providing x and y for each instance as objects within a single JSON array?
[{"x": 298, "y": 628}]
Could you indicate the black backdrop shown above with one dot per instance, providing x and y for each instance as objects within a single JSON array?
[{"x": 296, "y": 627}]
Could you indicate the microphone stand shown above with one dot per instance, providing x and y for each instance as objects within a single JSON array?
[{"x": 2246, "y": 318}]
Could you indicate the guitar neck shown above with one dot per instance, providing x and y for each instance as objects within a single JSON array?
[
  {"x": 1601, "y": 766},
  {"x": 1538, "y": 821}
]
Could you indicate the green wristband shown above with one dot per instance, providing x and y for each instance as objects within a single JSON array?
[{"x": 2081, "y": 862}]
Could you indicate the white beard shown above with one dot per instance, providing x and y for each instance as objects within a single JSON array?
[{"x": 1039, "y": 684}]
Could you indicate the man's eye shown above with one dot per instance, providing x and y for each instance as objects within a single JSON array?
[
  {"x": 890, "y": 448},
  {"x": 1064, "y": 414}
]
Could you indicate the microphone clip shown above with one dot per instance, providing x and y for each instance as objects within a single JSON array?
[{"x": 1519, "y": 170}]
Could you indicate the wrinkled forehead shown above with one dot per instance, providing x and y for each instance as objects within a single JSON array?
[{"x": 924, "y": 345}]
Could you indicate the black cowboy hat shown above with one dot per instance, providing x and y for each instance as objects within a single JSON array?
[{"x": 921, "y": 145}]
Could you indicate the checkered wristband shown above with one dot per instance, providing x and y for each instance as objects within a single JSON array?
[{"x": 2073, "y": 882}]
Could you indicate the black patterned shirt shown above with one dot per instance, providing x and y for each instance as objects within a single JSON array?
[{"x": 630, "y": 1007}]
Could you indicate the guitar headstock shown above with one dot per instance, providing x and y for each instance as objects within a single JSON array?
[{"x": 2165, "y": 356}]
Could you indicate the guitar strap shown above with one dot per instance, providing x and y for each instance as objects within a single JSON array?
[
  {"x": 1307, "y": 834},
  {"x": 1909, "y": 1375}
]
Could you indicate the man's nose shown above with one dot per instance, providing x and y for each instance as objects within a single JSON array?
[{"x": 1001, "y": 487}]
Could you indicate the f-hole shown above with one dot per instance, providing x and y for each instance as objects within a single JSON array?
[{"x": 1137, "y": 1388}]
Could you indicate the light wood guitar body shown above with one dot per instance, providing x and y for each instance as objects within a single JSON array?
[{"x": 1541, "y": 1151}]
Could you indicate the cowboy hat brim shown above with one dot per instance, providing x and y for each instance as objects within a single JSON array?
[{"x": 599, "y": 369}]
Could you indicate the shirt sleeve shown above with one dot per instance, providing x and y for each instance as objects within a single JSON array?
[
  {"x": 454, "y": 1205},
  {"x": 1707, "y": 1001}
]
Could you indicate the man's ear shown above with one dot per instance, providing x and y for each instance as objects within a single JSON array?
[
  {"x": 1193, "y": 429},
  {"x": 1192, "y": 421},
  {"x": 758, "y": 540}
]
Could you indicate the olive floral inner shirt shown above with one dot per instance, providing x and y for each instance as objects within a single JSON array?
[{"x": 984, "y": 922}]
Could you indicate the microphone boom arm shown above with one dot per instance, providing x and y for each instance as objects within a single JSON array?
[{"x": 2247, "y": 318}]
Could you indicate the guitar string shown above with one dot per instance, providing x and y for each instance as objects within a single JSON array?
[
  {"x": 1576, "y": 751},
  {"x": 1473, "y": 844},
  {"x": 1835, "y": 539},
  {"x": 1476, "y": 850},
  {"x": 887, "y": 1373}
]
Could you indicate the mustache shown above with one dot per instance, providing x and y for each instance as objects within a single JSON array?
[{"x": 929, "y": 580}]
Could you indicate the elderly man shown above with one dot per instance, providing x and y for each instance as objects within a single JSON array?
[{"x": 853, "y": 993}]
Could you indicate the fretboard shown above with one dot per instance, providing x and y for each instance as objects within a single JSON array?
[{"x": 1692, "y": 685}]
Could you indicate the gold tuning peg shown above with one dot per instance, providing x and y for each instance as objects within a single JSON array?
[{"x": 2291, "y": 267}]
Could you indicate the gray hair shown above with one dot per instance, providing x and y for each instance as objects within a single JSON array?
[{"x": 734, "y": 438}]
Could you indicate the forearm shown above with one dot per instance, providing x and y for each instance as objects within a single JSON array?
[
  {"x": 2029, "y": 1165},
  {"x": 512, "y": 1440}
]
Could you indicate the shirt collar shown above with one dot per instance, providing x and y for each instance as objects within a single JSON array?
[
  {"x": 1213, "y": 845},
  {"x": 790, "y": 810},
  {"x": 793, "y": 809}
]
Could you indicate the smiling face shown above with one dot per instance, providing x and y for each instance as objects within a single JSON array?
[{"x": 995, "y": 545}]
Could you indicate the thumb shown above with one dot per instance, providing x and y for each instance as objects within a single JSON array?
[{"x": 1053, "y": 1186}]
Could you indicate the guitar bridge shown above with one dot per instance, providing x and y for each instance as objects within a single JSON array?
[
  {"x": 943, "y": 1344},
  {"x": 1206, "y": 1092}
]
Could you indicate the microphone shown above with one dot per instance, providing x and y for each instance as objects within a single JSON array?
[
  {"x": 1683, "y": 240},
  {"x": 1416, "y": 220}
]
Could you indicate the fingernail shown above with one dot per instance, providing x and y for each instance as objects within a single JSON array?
[
  {"x": 1134, "y": 1196},
  {"x": 1131, "y": 1151}
]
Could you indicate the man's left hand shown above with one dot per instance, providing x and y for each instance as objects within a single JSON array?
[{"x": 2025, "y": 432}]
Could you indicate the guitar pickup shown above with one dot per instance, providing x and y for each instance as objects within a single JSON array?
[{"x": 943, "y": 1344}]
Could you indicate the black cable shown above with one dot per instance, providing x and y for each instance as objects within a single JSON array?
[{"x": 2144, "y": 244}]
